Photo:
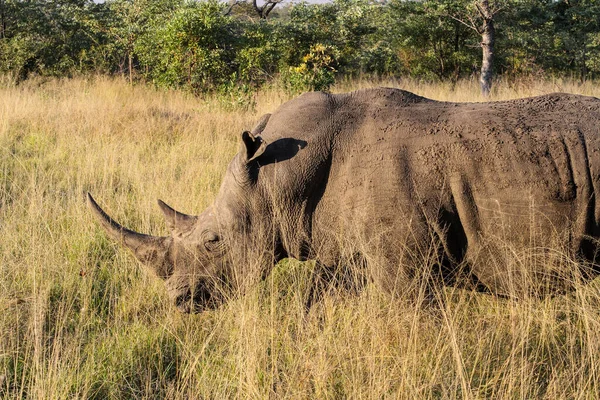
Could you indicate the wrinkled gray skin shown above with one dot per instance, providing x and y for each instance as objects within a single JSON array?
[{"x": 384, "y": 176}]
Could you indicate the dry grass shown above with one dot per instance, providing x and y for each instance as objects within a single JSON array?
[{"x": 79, "y": 318}]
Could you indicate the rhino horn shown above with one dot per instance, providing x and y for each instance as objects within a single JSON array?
[
  {"x": 148, "y": 249},
  {"x": 176, "y": 220}
]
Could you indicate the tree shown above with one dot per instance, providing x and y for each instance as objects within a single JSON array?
[
  {"x": 262, "y": 10},
  {"x": 555, "y": 37},
  {"x": 45, "y": 37},
  {"x": 577, "y": 25},
  {"x": 480, "y": 16},
  {"x": 428, "y": 43},
  {"x": 132, "y": 19},
  {"x": 193, "y": 48},
  {"x": 2, "y": 19}
]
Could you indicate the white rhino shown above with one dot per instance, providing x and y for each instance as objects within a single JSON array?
[{"x": 390, "y": 178}]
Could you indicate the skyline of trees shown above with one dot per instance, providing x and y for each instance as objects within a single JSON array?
[{"x": 212, "y": 46}]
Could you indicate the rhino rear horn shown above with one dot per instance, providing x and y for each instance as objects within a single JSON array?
[
  {"x": 176, "y": 220},
  {"x": 148, "y": 249}
]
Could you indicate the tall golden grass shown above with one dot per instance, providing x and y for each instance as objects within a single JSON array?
[{"x": 80, "y": 318}]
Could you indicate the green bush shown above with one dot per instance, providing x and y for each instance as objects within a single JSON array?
[
  {"x": 258, "y": 52},
  {"x": 192, "y": 50},
  {"x": 200, "y": 47},
  {"x": 316, "y": 72}
]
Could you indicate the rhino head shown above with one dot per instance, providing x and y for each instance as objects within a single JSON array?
[{"x": 196, "y": 260}]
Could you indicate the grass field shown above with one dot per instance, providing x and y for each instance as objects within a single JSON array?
[{"x": 80, "y": 318}]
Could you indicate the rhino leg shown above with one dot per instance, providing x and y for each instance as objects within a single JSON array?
[{"x": 347, "y": 276}]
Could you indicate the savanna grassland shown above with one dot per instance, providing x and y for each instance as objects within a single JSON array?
[{"x": 81, "y": 318}]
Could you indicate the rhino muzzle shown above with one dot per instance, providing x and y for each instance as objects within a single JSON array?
[{"x": 194, "y": 300}]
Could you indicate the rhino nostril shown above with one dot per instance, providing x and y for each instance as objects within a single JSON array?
[
  {"x": 204, "y": 298},
  {"x": 182, "y": 302},
  {"x": 193, "y": 299},
  {"x": 184, "y": 307}
]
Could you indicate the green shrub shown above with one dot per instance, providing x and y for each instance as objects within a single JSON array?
[
  {"x": 192, "y": 50},
  {"x": 316, "y": 72}
]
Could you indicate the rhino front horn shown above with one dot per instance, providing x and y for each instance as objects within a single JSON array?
[{"x": 148, "y": 249}]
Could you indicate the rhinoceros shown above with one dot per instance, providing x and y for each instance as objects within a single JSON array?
[{"x": 391, "y": 178}]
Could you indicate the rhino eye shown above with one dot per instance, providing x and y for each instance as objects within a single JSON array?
[
  {"x": 211, "y": 240},
  {"x": 211, "y": 237}
]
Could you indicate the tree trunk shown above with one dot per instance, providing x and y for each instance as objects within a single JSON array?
[
  {"x": 488, "y": 37},
  {"x": 130, "y": 68},
  {"x": 584, "y": 70},
  {"x": 2, "y": 21}
]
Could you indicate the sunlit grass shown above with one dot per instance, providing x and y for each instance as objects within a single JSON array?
[{"x": 79, "y": 317}]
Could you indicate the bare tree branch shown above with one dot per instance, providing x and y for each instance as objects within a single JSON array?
[
  {"x": 470, "y": 24},
  {"x": 272, "y": 3},
  {"x": 264, "y": 10},
  {"x": 481, "y": 12},
  {"x": 497, "y": 11},
  {"x": 474, "y": 24},
  {"x": 232, "y": 4},
  {"x": 487, "y": 11}
]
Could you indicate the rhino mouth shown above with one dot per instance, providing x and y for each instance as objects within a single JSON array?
[{"x": 196, "y": 300}]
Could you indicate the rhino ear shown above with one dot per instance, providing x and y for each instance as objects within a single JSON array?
[{"x": 253, "y": 146}]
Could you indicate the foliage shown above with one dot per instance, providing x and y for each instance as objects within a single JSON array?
[
  {"x": 432, "y": 45},
  {"x": 316, "y": 72},
  {"x": 258, "y": 52},
  {"x": 553, "y": 36},
  {"x": 210, "y": 47},
  {"x": 348, "y": 28},
  {"x": 46, "y": 37},
  {"x": 191, "y": 50},
  {"x": 127, "y": 22}
]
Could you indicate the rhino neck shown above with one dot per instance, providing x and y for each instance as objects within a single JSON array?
[
  {"x": 245, "y": 217},
  {"x": 292, "y": 193}
]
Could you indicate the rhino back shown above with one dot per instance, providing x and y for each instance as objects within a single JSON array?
[{"x": 404, "y": 169}]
